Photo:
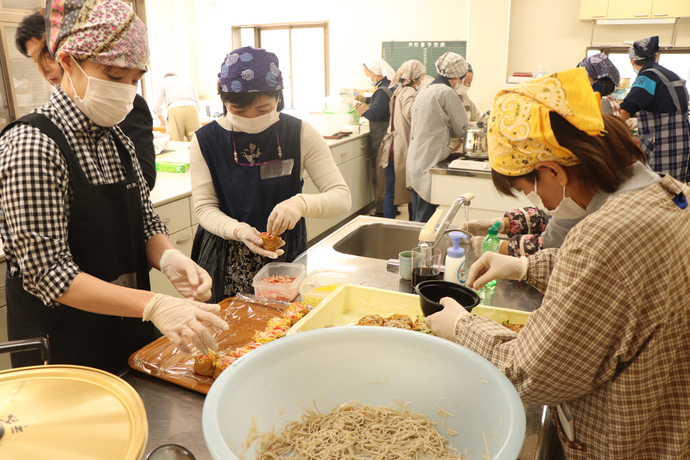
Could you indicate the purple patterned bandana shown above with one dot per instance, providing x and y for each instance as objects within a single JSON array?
[
  {"x": 250, "y": 70},
  {"x": 101, "y": 31}
]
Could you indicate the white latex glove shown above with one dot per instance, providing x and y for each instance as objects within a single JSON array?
[
  {"x": 252, "y": 239},
  {"x": 493, "y": 266},
  {"x": 477, "y": 245},
  {"x": 479, "y": 227},
  {"x": 631, "y": 122},
  {"x": 181, "y": 318},
  {"x": 187, "y": 277},
  {"x": 285, "y": 215},
  {"x": 443, "y": 323}
]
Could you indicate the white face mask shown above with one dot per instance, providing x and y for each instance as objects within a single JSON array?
[
  {"x": 566, "y": 209},
  {"x": 636, "y": 70},
  {"x": 106, "y": 103},
  {"x": 253, "y": 125},
  {"x": 462, "y": 90}
]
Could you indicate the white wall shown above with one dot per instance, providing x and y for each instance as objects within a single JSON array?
[{"x": 357, "y": 29}]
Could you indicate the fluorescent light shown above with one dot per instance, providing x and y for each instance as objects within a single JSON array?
[{"x": 628, "y": 22}]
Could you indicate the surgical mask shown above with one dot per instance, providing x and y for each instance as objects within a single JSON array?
[
  {"x": 106, "y": 103},
  {"x": 636, "y": 70},
  {"x": 253, "y": 125},
  {"x": 462, "y": 90},
  {"x": 566, "y": 209}
]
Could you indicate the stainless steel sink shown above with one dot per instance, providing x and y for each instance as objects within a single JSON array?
[{"x": 387, "y": 241}]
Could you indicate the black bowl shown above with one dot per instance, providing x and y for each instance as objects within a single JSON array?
[{"x": 431, "y": 292}]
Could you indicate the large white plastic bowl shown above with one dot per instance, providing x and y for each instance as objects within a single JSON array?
[{"x": 329, "y": 367}]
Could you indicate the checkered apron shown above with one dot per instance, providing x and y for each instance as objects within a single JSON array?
[{"x": 665, "y": 137}]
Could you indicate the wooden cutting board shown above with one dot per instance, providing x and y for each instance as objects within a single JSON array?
[{"x": 245, "y": 315}]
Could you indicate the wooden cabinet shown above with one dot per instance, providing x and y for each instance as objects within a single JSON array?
[
  {"x": 627, "y": 9},
  {"x": 670, "y": 8},
  {"x": 593, "y": 9}
]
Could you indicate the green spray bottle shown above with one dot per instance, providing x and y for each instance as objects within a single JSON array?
[{"x": 492, "y": 244}]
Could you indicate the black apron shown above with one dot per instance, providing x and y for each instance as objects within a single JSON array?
[{"x": 106, "y": 239}]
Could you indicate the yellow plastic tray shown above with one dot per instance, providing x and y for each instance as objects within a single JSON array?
[
  {"x": 501, "y": 315},
  {"x": 349, "y": 303}
]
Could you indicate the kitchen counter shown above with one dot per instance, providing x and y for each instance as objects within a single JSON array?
[
  {"x": 175, "y": 413},
  {"x": 441, "y": 168}
]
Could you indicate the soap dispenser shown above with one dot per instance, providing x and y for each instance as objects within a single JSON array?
[{"x": 456, "y": 270}]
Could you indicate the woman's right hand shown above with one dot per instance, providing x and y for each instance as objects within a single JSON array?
[
  {"x": 252, "y": 239},
  {"x": 181, "y": 318},
  {"x": 492, "y": 266}
]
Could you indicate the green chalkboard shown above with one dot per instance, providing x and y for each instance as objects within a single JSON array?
[{"x": 395, "y": 53}]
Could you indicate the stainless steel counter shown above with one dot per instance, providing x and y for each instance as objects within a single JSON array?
[
  {"x": 174, "y": 413},
  {"x": 443, "y": 169}
]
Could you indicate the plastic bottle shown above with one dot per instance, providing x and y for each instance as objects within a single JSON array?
[
  {"x": 456, "y": 271},
  {"x": 538, "y": 71},
  {"x": 492, "y": 244}
]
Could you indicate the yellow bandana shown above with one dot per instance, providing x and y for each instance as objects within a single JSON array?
[{"x": 519, "y": 130}]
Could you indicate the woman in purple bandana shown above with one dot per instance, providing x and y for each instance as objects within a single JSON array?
[
  {"x": 247, "y": 175},
  {"x": 77, "y": 225}
]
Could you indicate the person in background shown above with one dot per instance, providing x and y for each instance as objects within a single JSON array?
[
  {"x": 610, "y": 339},
  {"x": 470, "y": 109},
  {"x": 138, "y": 125},
  {"x": 179, "y": 94},
  {"x": 437, "y": 115},
  {"x": 258, "y": 187},
  {"x": 659, "y": 98},
  {"x": 605, "y": 78},
  {"x": 77, "y": 225},
  {"x": 393, "y": 153},
  {"x": 376, "y": 109}
]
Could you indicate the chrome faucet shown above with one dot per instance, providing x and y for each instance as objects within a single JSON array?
[{"x": 429, "y": 236}]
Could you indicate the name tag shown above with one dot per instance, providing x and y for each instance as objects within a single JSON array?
[{"x": 279, "y": 168}]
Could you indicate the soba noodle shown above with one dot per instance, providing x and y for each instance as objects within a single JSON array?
[{"x": 355, "y": 431}]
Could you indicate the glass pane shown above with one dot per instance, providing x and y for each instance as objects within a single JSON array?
[
  {"x": 278, "y": 42},
  {"x": 4, "y": 106},
  {"x": 247, "y": 36},
  {"x": 30, "y": 88},
  {"x": 308, "y": 66},
  {"x": 22, "y": 4},
  {"x": 678, "y": 63}
]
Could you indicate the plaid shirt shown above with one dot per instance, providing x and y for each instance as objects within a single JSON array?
[
  {"x": 612, "y": 336},
  {"x": 35, "y": 193}
]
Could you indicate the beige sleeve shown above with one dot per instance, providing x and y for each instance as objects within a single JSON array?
[
  {"x": 334, "y": 197},
  {"x": 204, "y": 197}
]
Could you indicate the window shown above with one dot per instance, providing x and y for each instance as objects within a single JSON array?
[
  {"x": 302, "y": 50},
  {"x": 677, "y": 60}
]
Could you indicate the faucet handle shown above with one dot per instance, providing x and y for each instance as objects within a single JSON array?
[
  {"x": 428, "y": 232},
  {"x": 469, "y": 196}
]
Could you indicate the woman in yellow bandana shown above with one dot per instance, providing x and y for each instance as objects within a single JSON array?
[{"x": 610, "y": 340}]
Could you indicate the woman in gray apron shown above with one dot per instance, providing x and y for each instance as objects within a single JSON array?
[
  {"x": 660, "y": 99},
  {"x": 77, "y": 225},
  {"x": 247, "y": 176}
]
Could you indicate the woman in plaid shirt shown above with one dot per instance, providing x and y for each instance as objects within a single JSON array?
[
  {"x": 77, "y": 225},
  {"x": 611, "y": 339}
]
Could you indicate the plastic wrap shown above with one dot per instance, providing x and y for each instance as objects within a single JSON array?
[{"x": 245, "y": 314}]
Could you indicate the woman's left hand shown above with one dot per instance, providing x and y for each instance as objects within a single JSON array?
[
  {"x": 190, "y": 280},
  {"x": 443, "y": 323},
  {"x": 285, "y": 215}
]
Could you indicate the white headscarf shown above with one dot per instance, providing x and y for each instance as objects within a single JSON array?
[
  {"x": 378, "y": 66},
  {"x": 451, "y": 65}
]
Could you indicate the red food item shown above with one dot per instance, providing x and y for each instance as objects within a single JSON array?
[{"x": 279, "y": 279}]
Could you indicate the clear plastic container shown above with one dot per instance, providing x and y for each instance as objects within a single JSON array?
[
  {"x": 285, "y": 291},
  {"x": 320, "y": 283}
]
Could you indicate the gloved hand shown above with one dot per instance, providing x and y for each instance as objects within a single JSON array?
[
  {"x": 285, "y": 215},
  {"x": 180, "y": 318},
  {"x": 187, "y": 277},
  {"x": 443, "y": 323},
  {"x": 479, "y": 227},
  {"x": 493, "y": 266},
  {"x": 477, "y": 245},
  {"x": 631, "y": 122},
  {"x": 252, "y": 239}
]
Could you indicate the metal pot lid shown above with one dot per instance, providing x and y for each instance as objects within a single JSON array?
[{"x": 74, "y": 412}]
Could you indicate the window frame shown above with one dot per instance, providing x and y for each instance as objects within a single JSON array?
[{"x": 237, "y": 43}]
